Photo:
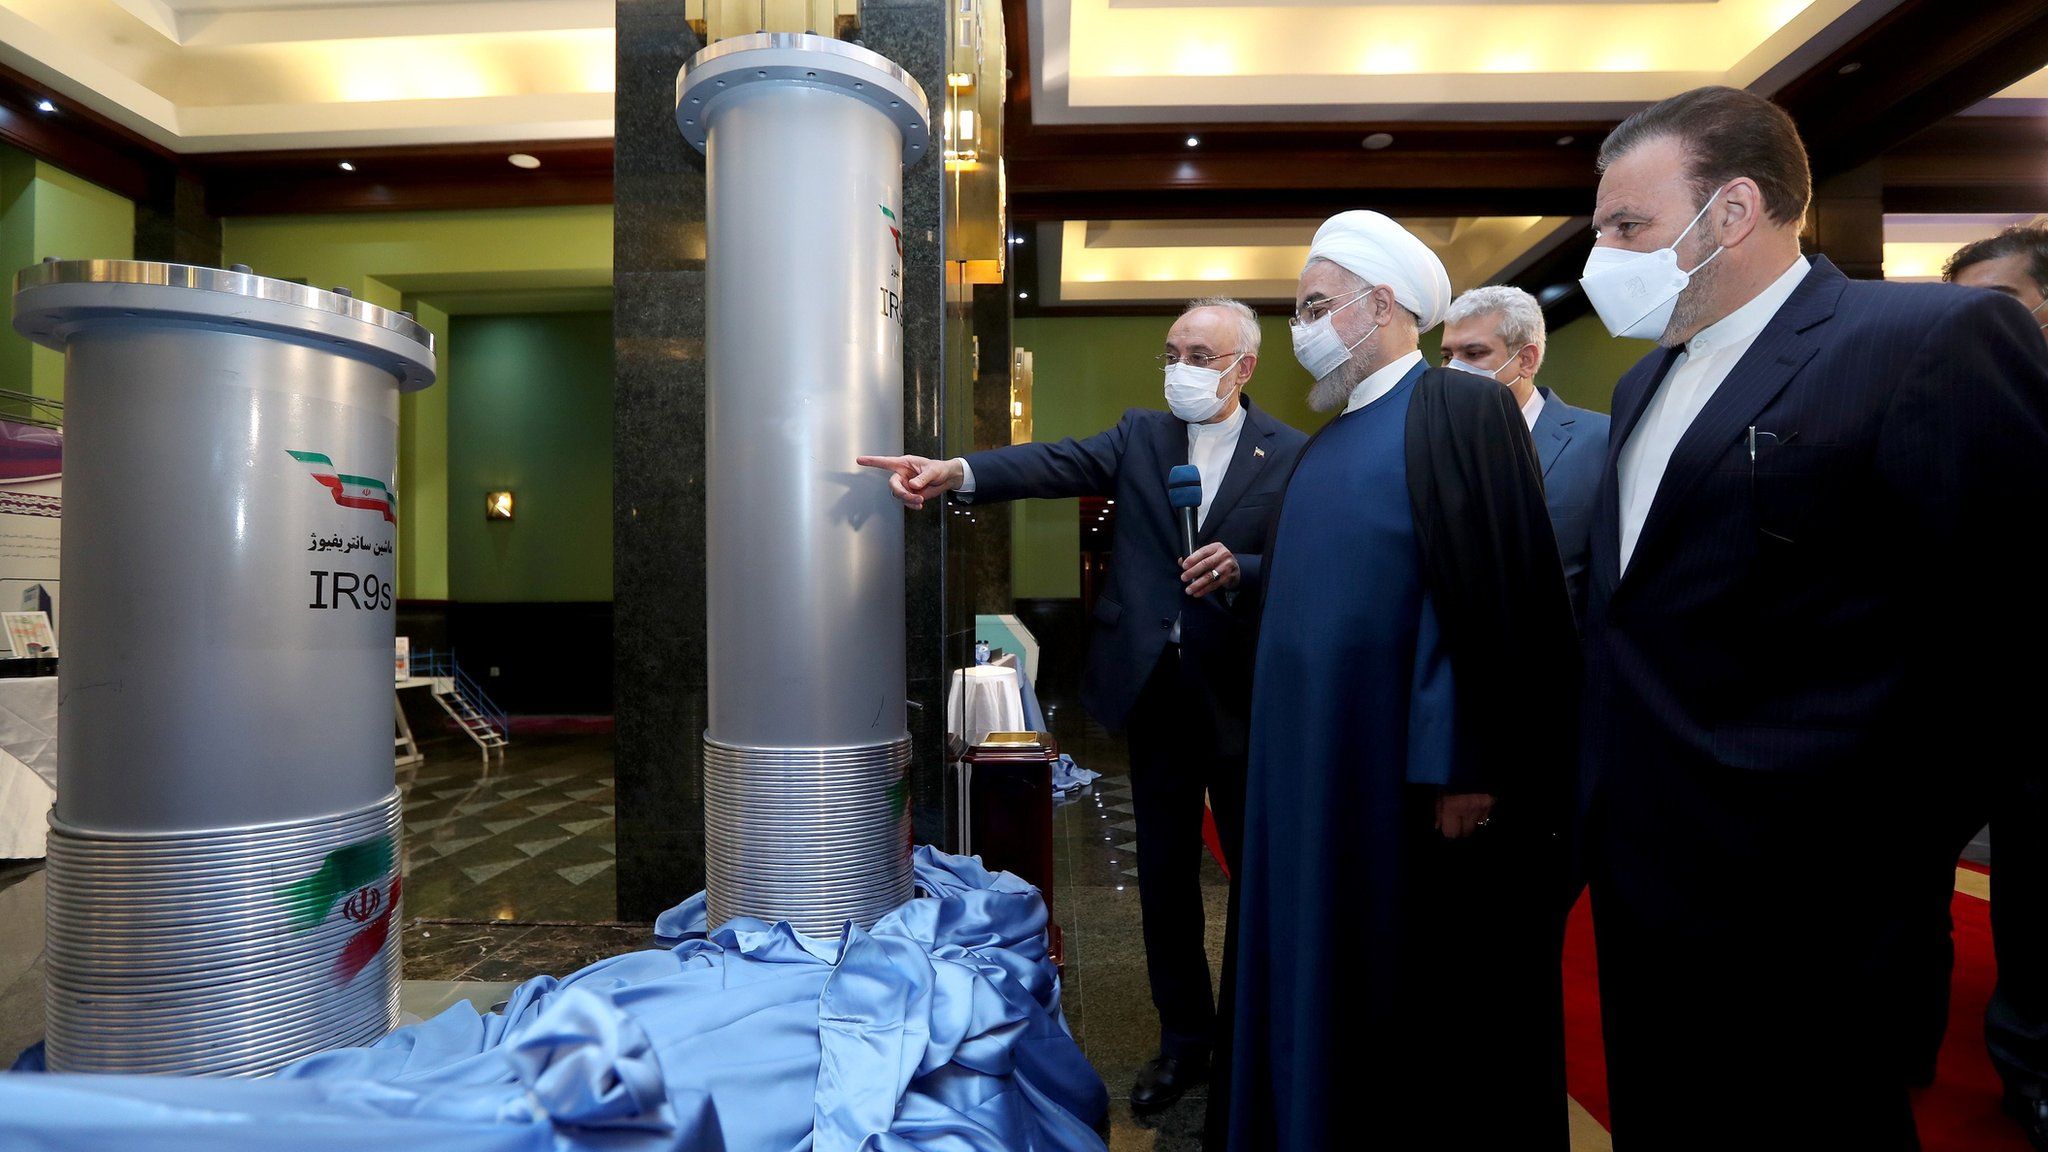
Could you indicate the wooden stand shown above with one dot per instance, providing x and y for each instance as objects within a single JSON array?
[{"x": 1009, "y": 802}]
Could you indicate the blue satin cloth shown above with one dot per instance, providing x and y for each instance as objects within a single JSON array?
[
  {"x": 938, "y": 1030},
  {"x": 1070, "y": 779}
]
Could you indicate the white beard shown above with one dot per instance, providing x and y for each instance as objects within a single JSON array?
[{"x": 1329, "y": 393}]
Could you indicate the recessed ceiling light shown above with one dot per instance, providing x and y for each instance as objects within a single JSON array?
[
  {"x": 347, "y": 167},
  {"x": 45, "y": 106},
  {"x": 1019, "y": 239},
  {"x": 1565, "y": 141},
  {"x": 1850, "y": 69},
  {"x": 1194, "y": 141},
  {"x": 523, "y": 160},
  {"x": 1023, "y": 295},
  {"x": 1378, "y": 140}
]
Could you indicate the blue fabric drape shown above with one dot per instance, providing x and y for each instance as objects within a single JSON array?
[{"x": 939, "y": 1030}]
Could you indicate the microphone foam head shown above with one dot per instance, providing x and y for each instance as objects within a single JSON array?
[{"x": 1184, "y": 486}]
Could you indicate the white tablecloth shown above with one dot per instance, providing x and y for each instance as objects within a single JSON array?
[
  {"x": 28, "y": 764},
  {"x": 984, "y": 699}
]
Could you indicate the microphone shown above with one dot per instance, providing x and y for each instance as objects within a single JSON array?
[{"x": 1184, "y": 494}]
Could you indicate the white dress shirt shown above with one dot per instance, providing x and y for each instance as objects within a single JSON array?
[
  {"x": 1210, "y": 447},
  {"x": 1533, "y": 408},
  {"x": 1381, "y": 382},
  {"x": 1692, "y": 381}
]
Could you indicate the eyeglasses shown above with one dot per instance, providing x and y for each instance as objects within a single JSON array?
[
  {"x": 1192, "y": 359},
  {"x": 1315, "y": 310}
]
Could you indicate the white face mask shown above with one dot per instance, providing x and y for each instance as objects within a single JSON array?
[
  {"x": 1317, "y": 346},
  {"x": 1192, "y": 392},
  {"x": 1476, "y": 370},
  {"x": 1635, "y": 292}
]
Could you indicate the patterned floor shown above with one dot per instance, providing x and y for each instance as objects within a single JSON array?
[
  {"x": 527, "y": 839},
  {"x": 1095, "y": 900}
]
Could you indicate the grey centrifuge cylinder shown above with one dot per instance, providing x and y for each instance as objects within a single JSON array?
[
  {"x": 806, "y": 754},
  {"x": 224, "y": 853}
]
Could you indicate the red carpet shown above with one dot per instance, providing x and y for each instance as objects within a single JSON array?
[
  {"x": 1212, "y": 838},
  {"x": 1959, "y": 1113}
]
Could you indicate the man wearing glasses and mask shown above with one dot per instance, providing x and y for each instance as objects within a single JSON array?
[
  {"x": 1401, "y": 903},
  {"x": 1498, "y": 332},
  {"x": 1170, "y": 660}
]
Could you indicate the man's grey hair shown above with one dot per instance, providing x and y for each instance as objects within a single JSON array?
[
  {"x": 1521, "y": 318},
  {"x": 1247, "y": 320}
]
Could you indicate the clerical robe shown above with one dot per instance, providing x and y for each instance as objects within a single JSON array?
[{"x": 1393, "y": 988}]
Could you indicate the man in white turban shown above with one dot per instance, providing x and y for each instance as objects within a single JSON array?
[{"x": 1401, "y": 898}]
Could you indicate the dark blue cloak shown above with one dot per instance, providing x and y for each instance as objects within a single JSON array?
[{"x": 1415, "y": 638}]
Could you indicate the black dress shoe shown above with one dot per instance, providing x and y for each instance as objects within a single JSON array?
[
  {"x": 2032, "y": 1114},
  {"x": 1165, "y": 1079}
]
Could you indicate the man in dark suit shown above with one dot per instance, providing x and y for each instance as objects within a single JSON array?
[
  {"x": 1807, "y": 597},
  {"x": 2015, "y": 263},
  {"x": 1171, "y": 659},
  {"x": 1498, "y": 331}
]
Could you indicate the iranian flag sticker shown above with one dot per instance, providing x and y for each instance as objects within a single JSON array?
[
  {"x": 365, "y": 492},
  {"x": 353, "y": 878}
]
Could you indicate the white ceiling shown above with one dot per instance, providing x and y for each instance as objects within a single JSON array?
[
  {"x": 1917, "y": 247},
  {"x": 1168, "y": 61},
  {"x": 230, "y": 75}
]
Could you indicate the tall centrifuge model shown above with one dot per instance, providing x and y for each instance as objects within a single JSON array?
[
  {"x": 224, "y": 853},
  {"x": 807, "y": 756}
]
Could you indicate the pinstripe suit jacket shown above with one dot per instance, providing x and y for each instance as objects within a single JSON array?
[{"x": 1842, "y": 612}]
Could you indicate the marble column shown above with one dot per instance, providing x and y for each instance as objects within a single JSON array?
[
  {"x": 658, "y": 449},
  {"x": 657, "y": 469},
  {"x": 980, "y": 551},
  {"x": 172, "y": 223},
  {"x": 1846, "y": 221}
]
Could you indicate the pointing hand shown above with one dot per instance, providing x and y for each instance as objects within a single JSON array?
[{"x": 915, "y": 479}]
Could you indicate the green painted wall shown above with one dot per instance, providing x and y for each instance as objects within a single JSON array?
[
  {"x": 1087, "y": 370},
  {"x": 436, "y": 264},
  {"x": 530, "y": 409},
  {"x": 423, "y": 473},
  {"x": 1582, "y": 362},
  {"x": 46, "y": 211},
  {"x": 17, "y": 251}
]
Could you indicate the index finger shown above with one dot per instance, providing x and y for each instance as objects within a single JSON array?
[{"x": 892, "y": 463}]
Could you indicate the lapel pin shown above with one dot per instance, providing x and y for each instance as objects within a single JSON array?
[{"x": 1258, "y": 451}]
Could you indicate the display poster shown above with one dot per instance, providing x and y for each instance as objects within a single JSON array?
[
  {"x": 29, "y": 635},
  {"x": 31, "y": 511}
]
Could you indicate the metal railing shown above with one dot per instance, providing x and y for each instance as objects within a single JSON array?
[{"x": 441, "y": 665}]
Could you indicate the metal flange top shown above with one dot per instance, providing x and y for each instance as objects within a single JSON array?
[
  {"x": 806, "y": 59},
  {"x": 55, "y": 298}
]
